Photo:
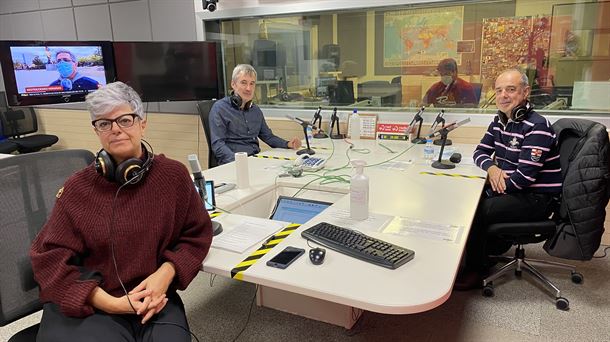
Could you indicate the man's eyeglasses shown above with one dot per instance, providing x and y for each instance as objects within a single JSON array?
[{"x": 123, "y": 121}]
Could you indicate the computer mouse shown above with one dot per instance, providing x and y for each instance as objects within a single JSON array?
[
  {"x": 316, "y": 255},
  {"x": 455, "y": 158}
]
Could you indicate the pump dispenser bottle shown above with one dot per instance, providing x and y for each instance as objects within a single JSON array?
[{"x": 359, "y": 192}]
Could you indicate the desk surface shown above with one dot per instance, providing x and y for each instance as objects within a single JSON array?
[{"x": 397, "y": 188}]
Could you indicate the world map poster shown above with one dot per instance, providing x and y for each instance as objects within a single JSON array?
[{"x": 422, "y": 37}]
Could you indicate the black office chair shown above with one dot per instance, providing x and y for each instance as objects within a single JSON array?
[
  {"x": 7, "y": 146},
  {"x": 16, "y": 123},
  {"x": 29, "y": 184},
  {"x": 204, "y": 108},
  {"x": 584, "y": 152}
]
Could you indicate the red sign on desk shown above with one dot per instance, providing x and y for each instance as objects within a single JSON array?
[
  {"x": 392, "y": 128},
  {"x": 392, "y": 131}
]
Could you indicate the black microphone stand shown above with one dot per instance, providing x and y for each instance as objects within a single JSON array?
[
  {"x": 440, "y": 119},
  {"x": 420, "y": 119},
  {"x": 318, "y": 117},
  {"x": 307, "y": 150},
  {"x": 334, "y": 120},
  {"x": 438, "y": 164}
]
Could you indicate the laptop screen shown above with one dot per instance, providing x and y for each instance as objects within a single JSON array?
[
  {"x": 297, "y": 210},
  {"x": 210, "y": 201}
]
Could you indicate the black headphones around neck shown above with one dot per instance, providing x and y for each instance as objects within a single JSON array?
[
  {"x": 236, "y": 101},
  {"x": 129, "y": 171},
  {"x": 520, "y": 112}
]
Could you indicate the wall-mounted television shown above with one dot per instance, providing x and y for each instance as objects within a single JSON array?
[
  {"x": 170, "y": 71},
  {"x": 44, "y": 72}
]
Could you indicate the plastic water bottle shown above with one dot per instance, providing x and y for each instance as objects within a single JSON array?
[
  {"x": 429, "y": 150},
  {"x": 359, "y": 192},
  {"x": 309, "y": 135},
  {"x": 354, "y": 130}
]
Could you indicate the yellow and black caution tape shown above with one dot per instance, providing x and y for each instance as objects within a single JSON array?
[
  {"x": 272, "y": 157},
  {"x": 450, "y": 174},
  {"x": 237, "y": 271}
]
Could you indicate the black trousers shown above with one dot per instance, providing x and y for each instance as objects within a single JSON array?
[
  {"x": 518, "y": 207},
  {"x": 101, "y": 326}
]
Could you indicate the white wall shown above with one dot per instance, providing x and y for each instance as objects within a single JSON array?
[
  {"x": 243, "y": 8},
  {"x": 125, "y": 20}
]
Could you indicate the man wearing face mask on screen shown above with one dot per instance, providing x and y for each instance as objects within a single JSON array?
[
  {"x": 69, "y": 77},
  {"x": 451, "y": 90}
]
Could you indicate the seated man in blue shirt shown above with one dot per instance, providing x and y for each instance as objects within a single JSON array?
[{"x": 236, "y": 123}]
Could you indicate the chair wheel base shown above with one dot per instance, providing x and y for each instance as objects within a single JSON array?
[
  {"x": 562, "y": 304},
  {"x": 577, "y": 278},
  {"x": 488, "y": 290}
]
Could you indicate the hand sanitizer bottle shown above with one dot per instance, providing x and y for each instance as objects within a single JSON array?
[
  {"x": 359, "y": 192},
  {"x": 354, "y": 130},
  {"x": 309, "y": 135}
]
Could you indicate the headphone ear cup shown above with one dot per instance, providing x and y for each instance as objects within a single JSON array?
[
  {"x": 104, "y": 165},
  {"x": 235, "y": 100},
  {"x": 520, "y": 111},
  {"x": 130, "y": 171}
]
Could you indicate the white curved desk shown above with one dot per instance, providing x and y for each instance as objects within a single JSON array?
[{"x": 331, "y": 291}]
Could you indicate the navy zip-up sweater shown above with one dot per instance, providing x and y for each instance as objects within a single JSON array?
[{"x": 527, "y": 151}]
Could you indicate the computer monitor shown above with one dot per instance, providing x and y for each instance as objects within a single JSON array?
[
  {"x": 267, "y": 59},
  {"x": 297, "y": 210},
  {"x": 342, "y": 94},
  {"x": 386, "y": 93},
  {"x": 45, "y": 72},
  {"x": 322, "y": 84}
]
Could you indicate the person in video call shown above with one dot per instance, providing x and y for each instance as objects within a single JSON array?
[
  {"x": 519, "y": 151},
  {"x": 69, "y": 77},
  {"x": 236, "y": 123},
  {"x": 119, "y": 243},
  {"x": 450, "y": 90}
]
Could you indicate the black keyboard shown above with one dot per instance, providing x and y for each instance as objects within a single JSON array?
[{"x": 358, "y": 245}]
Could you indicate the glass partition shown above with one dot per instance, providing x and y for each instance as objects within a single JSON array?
[{"x": 444, "y": 56}]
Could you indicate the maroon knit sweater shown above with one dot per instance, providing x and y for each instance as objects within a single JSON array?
[{"x": 159, "y": 219}]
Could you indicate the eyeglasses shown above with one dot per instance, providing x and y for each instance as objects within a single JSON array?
[{"x": 123, "y": 121}]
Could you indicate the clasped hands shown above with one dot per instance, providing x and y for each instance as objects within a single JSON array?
[{"x": 147, "y": 299}]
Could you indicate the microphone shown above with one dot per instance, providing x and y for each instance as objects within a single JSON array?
[
  {"x": 199, "y": 181},
  {"x": 448, "y": 128},
  {"x": 417, "y": 118},
  {"x": 318, "y": 112},
  {"x": 301, "y": 121},
  {"x": 198, "y": 176},
  {"x": 439, "y": 120}
]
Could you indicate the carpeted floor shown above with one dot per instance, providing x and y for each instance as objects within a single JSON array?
[{"x": 519, "y": 311}]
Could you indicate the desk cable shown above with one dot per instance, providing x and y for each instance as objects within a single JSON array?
[
  {"x": 216, "y": 207},
  {"x": 249, "y": 314}
]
